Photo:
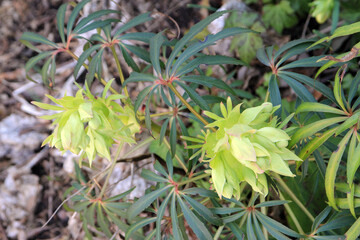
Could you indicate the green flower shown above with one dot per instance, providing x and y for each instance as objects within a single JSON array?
[
  {"x": 89, "y": 125},
  {"x": 322, "y": 10},
  {"x": 245, "y": 146}
]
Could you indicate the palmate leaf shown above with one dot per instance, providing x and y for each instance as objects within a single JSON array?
[
  {"x": 313, "y": 128},
  {"x": 83, "y": 57},
  {"x": 209, "y": 40},
  {"x": 279, "y": 16},
  {"x": 34, "y": 37},
  {"x": 132, "y": 23},
  {"x": 139, "y": 52},
  {"x": 144, "y": 202},
  {"x": 34, "y": 60},
  {"x": 196, "y": 225},
  {"x": 74, "y": 14},
  {"x": 155, "y": 45},
  {"x": 298, "y": 88},
  {"x": 102, "y": 221},
  {"x": 137, "y": 36},
  {"x": 209, "y": 82},
  {"x": 190, "y": 35},
  {"x": 173, "y": 137},
  {"x": 193, "y": 95},
  {"x": 203, "y": 211},
  {"x": 129, "y": 60},
  {"x": 134, "y": 227},
  {"x": 174, "y": 220},
  {"x": 160, "y": 215},
  {"x": 151, "y": 176},
  {"x": 60, "y": 19},
  {"x": 274, "y": 91},
  {"x": 85, "y": 22}
]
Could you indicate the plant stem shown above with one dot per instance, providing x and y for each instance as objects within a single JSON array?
[
  {"x": 263, "y": 211},
  {"x": 176, "y": 156},
  {"x": 111, "y": 169},
  {"x": 194, "y": 179},
  {"x": 293, "y": 196},
  {"x": 121, "y": 75},
  {"x": 157, "y": 115},
  {"x": 189, "y": 106},
  {"x": 292, "y": 216},
  {"x": 87, "y": 68},
  {"x": 218, "y": 232}
]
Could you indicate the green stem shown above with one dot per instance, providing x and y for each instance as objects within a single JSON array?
[
  {"x": 194, "y": 179},
  {"x": 87, "y": 68},
  {"x": 292, "y": 216},
  {"x": 157, "y": 115},
  {"x": 263, "y": 211},
  {"x": 218, "y": 232},
  {"x": 176, "y": 156},
  {"x": 121, "y": 75},
  {"x": 293, "y": 196},
  {"x": 189, "y": 106},
  {"x": 267, "y": 96},
  {"x": 111, "y": 169}
]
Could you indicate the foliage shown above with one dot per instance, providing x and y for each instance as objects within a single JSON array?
[{"x": 240, "y": 155}]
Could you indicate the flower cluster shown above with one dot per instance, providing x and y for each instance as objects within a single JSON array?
[
  {"x": 245, "y": 146},
  {"x": 90, "y": 125}
]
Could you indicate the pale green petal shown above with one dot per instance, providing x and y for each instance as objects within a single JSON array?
[
  {"x": 289, "y": 155},
  {"x": 242, "y": 149},
  {"x": 274, "y": 134},
  {"x": 278, "y": 165},
  {"x": 85, "y": 111},
  {"x": 218, "y": 175},
  {"x": 250, "y": 114}
]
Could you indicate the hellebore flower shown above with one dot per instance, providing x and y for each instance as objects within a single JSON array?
[
  {"x": 90, "y": 125},
  {"x": 245, "y": 146}
]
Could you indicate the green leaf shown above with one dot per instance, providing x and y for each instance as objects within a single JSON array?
[
  {"x": 44, "y": 72},
  {"x": 291, "y": 45},
  {"x": 137, "y": 36},
  {"x": 60, "y": 18},
  {"x": 320, "y": 218},
  {"x": 209, "y": 82},
  {"x": 234, "y": 217},
  {"x": 91, "y": 17},
  {"x": 187, "y": 37},
  {"x": 129, "y": 60},
  {"x": 332, "y": 168},
  {"x": 140, "y": 77},
  {"x": 258, "y": 230},
  {"x": 139, "y": 52},
  {"x": 119, "y": 196},
  {"x": 134, "y": 227},
  {"x": 249, "y": 228},
  {"x": 34, "y": 37},
  {"x": 194, "y": 96},
  {"x": 32, "y": 61},
  {"x": 338, "y": 90},
  {"x": 349, "y": 123},
  {"x": 29, "y": 45},
  {"x": 74, "y": 14},
  {"x": 353, "y": 162},
  {"x": 305, "y": 62},
  {"x": 83, "y": 57},
  {"x": 276, "y": 225},
  {"x": 155, "y": 45},
  {"x": 133, "y": 22},
  {"x": 102, "y": 221},
  {"x": 95, "y": 25},
  {"x": 160, "y": 214},
  {"x": 274, "y": 91},
  {"x": 318, "y": 107},
  {"x": 208, "y": 60},
  {"x": 298, "y": 88},
  {"x": 200, "y": 45},
  {"x": 94, "y": 66},
  {"x": 151, "y": 176},
  {"x": 247, "y": 45},
  {"x": 355, "y": 86},
  {"x": 316, "y": 143},
  {"x": 173, "y": 137},
  {"x": 313, "y": 128},
  {"x": 203, "y": 211},
  {"x": 354, "y": 231},
  {"x": 279, "y": 16},
  {"x": 140, "y": 98},
  {"x": 341, "y": 31},
  {"x": 337, "y": 223},
  {"x": 196, "y": 225},
  {"x": 271, "y": 203},
  {"x": 174, "y": 220},
  {"x": 144, "y": 202},
  {"x": 326, "y": 91}
]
